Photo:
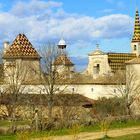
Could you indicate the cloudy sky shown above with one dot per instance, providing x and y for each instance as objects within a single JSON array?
[{"x": 82, "y": 23}]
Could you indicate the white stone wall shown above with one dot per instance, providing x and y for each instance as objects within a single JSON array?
[{"x": 88, "y": 90}]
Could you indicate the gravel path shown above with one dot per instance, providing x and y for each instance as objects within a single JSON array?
[{"x": 96, "y": 135}]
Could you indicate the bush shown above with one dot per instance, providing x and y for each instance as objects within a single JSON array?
[
  {"x": 23, "y": 135},
  {"x": 75, "y": 130},
  {"x": 109, "y": 107}
]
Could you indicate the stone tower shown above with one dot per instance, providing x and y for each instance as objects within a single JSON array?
[
  {"x": 62, "y": 62},
  {"x": 21, "y": 61},
  {"x": 135, "y": 42}
]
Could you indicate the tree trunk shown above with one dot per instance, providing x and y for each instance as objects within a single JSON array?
[{"x": 13, "y": 119}]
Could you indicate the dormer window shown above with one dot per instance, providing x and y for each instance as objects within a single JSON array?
[{"x": 135, "y": 47}]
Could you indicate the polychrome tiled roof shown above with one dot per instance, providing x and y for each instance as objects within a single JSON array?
[
  {"x": 136, "y": 35},
  {"x": 21, "y": 47},
  {"x": 62, "y": 60},
  {"x": 117, "y": 60}
]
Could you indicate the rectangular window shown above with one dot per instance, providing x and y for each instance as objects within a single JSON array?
[{"x": 96, "y": 69}]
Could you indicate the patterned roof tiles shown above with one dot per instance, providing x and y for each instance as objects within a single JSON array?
[
  {"x": 21, "y": 47},
  {"x": 136, "y": 35},
  {"x": 62, "y": 60},
  {"x": 117, "y": 60}
]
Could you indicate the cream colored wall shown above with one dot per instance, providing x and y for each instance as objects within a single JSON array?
[
  {"x": 137, "y": 52},
  {"x": 64, "y": 68},
  {"x": 32, "y": 67},
  {"x": 102, "y": 60},
  {"x": 134, "y": 71},
  {"x": 22, "y": 70},
  {"x": 88, "y": 90}
]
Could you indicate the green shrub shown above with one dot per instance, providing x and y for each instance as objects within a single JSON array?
[
  {"x": 75, "y": 130},
  {"x": 23, "y": 135}
]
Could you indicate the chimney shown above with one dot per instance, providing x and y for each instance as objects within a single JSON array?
[{"x": 5, "y": 46}]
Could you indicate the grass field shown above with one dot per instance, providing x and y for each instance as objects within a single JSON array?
[
  {"x": 65, "y": 131},
  {"x": 8, "y": 123}
]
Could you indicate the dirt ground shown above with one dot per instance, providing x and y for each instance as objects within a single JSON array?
[{"x": 96, "y": 135}]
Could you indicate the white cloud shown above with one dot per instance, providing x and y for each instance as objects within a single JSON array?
[
  {"x": 34, "y": 7},
  {"x": 41, "y": 23}
]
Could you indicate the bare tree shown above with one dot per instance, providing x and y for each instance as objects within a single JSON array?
[
  {"x": 128, "y": 87},
  {"x": 52, "y": 79},
  {"x": 13, "y": 86}
]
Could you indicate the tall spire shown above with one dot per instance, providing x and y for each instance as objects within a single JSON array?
[{"x": 136, "y": 35}]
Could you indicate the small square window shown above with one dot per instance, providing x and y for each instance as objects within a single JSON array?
[{"x": 73, "y": 89}]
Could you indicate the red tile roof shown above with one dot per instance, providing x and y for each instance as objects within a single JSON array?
[
  {"x": 62, "y": 60},
  {"x": 21, "y": 47}
]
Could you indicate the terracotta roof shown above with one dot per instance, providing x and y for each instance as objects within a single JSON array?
[
  {"x": 21, "y": 47},
  {"x": 117, "y": 60},
  {"x": 63, "y": 60},
  {"x": 134, "y": 61},
  {"x": 136, "y": 35}
]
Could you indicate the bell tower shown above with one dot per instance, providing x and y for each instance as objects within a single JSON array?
[
  {"x": 62, "y": 47},
  {"x": 135, "y": 42}
]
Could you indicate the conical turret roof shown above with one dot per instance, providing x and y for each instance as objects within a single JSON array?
[
  {"x": 136, "y": 35},
  {"x": 21, "y": 48}
]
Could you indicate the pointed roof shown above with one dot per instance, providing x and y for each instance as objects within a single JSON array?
[
  {"x": 136, "y": 35},
  {"x": 21, "y": 48},
  {"x": 63, "y": 60},
  {"x": 97, "y": 52}
]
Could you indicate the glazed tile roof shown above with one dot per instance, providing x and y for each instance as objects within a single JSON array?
[
  {"x": 136, "y": 35},
  {"x": 117, "y": 60},
  {"x": 21, "y": 47},
  {"x": 62, "y": 60}
]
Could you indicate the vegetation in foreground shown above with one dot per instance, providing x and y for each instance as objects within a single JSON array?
[{"x": 65, "y": 131}]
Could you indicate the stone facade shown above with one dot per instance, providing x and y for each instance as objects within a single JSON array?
[{"x": 98, "y": 64}]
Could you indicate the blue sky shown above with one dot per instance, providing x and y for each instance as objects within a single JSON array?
[{"x": 82, "y": 23}]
